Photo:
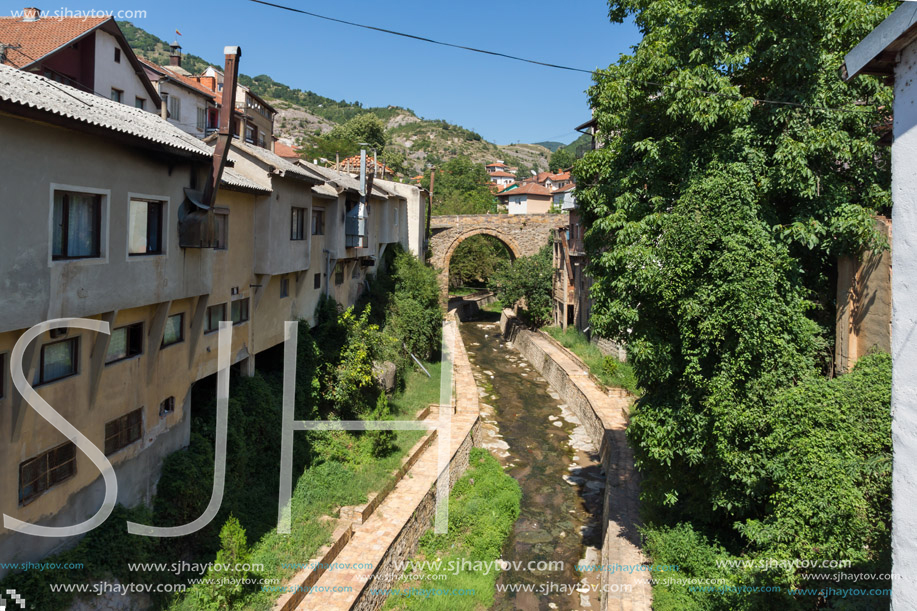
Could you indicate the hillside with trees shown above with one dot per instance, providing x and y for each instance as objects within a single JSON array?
[{"x": 317, "y": 123}]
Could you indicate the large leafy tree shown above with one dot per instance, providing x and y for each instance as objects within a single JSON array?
[
  {"x": 736, "y": 165},
  {"x": 460, "y": 187}
]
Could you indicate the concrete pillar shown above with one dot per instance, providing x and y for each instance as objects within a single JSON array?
[{"x": 904, "y": 334}]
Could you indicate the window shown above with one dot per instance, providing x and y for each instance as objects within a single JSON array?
[
  {"x": 117, "y": 56},
  {"x": 174, "y": 108},
  {"x": 125, "y": 343},
  {"x": 251, "y": 133},
  {"x": 58, "y": 360},
  {"x": 284, "y": 292},
  {"x": 174, "y": 331},
  {"x": 221, "y": 231},
  {"x": 339, "y": 274},
  {"x": 297, "y": 224},
  {"x": 44, "y": 471},
  {"x": 201, "y": 118},
  {"x": 167, "y": 407},
  {"x": 77, "y": 225},
  {"x": 239, "y": 311},
  {"x": 116, "y": 95},
  {"x": 144, "y": 227},
  {"x": 215, "y": 315},
  {"x": 318, "y": 222},
  {"x": 122, "y": 432},
  {"x": 317, "y": 282}
]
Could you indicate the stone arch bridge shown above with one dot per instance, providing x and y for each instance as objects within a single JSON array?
[{"x": 523, "y": 234}]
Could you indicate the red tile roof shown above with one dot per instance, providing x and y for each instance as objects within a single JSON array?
[
  {"x": 560, "y": 177},
  {"x": 498, "y": 164},
  {"x": 569, "y": 187},
  {"x": 31, "y": 41},
  {"x": 500, "y": 174},
  {"x": 285, "y": 150},
  {"x": 352, "y": 164},
  {"x": 529, "y": 188}
]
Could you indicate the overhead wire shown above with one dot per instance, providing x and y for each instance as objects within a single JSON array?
[{"x": 549, "y": 64}]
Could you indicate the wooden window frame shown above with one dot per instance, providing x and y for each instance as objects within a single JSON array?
[
  {"x": 123, "y": 431},
  {"x": 67, "y": 451}
]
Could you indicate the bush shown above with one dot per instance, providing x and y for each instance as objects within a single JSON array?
[{"x": 527, "y": 282}]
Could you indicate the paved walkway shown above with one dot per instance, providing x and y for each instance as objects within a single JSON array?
[{"x": 372, "y": 540}]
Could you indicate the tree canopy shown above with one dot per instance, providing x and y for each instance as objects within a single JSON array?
[
  {"x": 460, "y": 187},
  {"x": 736, "y": 166}
]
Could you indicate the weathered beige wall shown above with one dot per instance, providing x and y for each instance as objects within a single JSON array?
[{"x": 864, "y": 303}]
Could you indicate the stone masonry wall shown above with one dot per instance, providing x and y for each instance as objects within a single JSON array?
[{"x": 605, "y": 420}]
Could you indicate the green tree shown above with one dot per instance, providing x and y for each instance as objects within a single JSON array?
[
  {"x": 714, "y": 220},
  {"x": 561, "y": 159},
  {"x": 461, "y": 187},
  {"x": 527, "y": 282},
  {"x": 476, "y": 260},
  {"x": 216, "y": 592},
  {"x": 345, "y": 139}
]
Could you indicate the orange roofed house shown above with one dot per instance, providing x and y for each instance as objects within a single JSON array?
[{"x": 89, "y": 53}]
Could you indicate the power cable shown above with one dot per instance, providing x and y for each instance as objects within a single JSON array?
[{"x": 551, "y": 65}]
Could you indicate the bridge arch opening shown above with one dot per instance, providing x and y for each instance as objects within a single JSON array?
[{"x": 512, "y": 248}]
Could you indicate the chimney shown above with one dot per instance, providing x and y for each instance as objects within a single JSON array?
[
  {"x": 175, "y": 54},
  {"x": 30, "y": 14},
  {"x": 224, "y": 139}
]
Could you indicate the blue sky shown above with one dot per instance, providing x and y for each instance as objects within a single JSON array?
[{"x": 505, "y": 101}]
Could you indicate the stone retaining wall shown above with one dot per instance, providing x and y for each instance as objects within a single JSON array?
[{"x": 604, "y": 417}]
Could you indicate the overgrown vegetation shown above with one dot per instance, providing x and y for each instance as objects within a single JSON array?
[
  {"x": 460, "y": 187},
  {"x": 335, "y": 380},
  {"x": 527, "y": 283},
  {"x": 483, "y": 507},
  {"x": 476, "y": 260},
  {"x": 606, "y": 368},
  {"x": 714, "y": 223}
]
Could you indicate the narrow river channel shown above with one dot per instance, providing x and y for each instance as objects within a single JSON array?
[{"x": 544, "y": 447}]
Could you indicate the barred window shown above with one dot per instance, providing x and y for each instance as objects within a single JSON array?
[
  {"x": 123, "y": 431},
  {"x": 46, "y": 470}
]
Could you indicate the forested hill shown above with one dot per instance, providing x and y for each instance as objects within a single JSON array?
[{"x": 306, "y": 117}]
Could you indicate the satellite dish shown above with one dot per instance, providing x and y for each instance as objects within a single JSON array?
[{"x": 534, "y": 173}]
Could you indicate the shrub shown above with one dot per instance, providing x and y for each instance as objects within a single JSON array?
[{"x": 527, "y": 282}]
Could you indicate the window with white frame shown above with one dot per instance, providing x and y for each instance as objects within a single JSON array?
[
  {"x": 76, "y": 226},
  {"x": 201, "y": 118}
]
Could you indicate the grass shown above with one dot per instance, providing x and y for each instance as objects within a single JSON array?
[
  {"x": 496, "y": 307},
  {"x": 324, "y": 488},
  {"x": 461, "y": 291},
  {"x": 419, "y": 391},
  {"x": 610, "y": 371},
  {"x": 483, "y": 506}
]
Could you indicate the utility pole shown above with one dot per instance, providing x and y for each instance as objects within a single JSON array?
[{"x": 430, "y": 200}]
